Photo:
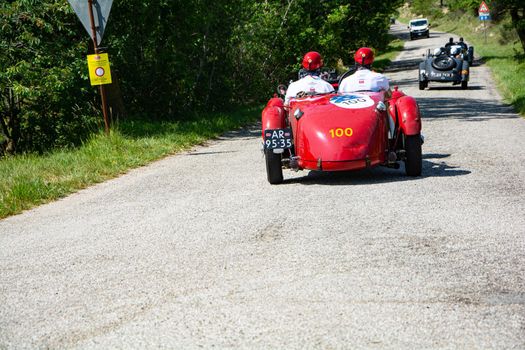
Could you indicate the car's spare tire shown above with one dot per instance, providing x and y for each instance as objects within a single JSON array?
[{"x": 443, "y": 63}]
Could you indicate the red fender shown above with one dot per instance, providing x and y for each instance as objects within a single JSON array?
[
  {"x": 408, "y": 114},
  {"x": 273, "y": 115},
  {"x": 396, "y": 94}
]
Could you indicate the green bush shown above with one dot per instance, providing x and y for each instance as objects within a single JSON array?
[{"x": 44, "y": 97}]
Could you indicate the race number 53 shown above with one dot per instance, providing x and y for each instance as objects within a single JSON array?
[{"x": 340, "y": 132}]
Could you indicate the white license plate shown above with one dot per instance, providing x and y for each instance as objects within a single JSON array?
[{"x": 278, "y": 138}]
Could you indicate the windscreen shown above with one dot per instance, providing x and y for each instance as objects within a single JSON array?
[{"x": 419, "y": 23}]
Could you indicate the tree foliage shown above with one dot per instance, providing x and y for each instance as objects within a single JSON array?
[
  {"x": 516, "y": 9},
  {"x": 171, "y": 57},
  {"x": 44, "y": 99}
]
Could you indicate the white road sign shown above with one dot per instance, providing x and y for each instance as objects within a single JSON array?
[{"x": 101, "y": 9}]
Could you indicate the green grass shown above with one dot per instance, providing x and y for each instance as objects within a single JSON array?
[
  {"x": 501, "y": 51},
  {"x": 30, "y": 180},
  {"x": 383, "y": 60}
]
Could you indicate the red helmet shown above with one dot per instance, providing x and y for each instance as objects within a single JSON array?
[
  {"x": 364, "y": 56},
  {"x": 312, "y": 60}
]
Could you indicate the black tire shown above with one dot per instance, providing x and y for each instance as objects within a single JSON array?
[
  {"x": 422, "y": 84},
  {"x": 443, "y": 63},
  {"x": 274, "y": 169},
  {"x": 411, "y": 37},
  {"x": 470, "y": 55},
  {"x": 428, "y": 35},
  {"x": 464, "y": 85},
  {"x": 414, "y": 159}
]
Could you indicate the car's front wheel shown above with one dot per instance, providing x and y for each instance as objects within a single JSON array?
[
  {"x": 464, "y": 85},
  {"x": 274, "y": 169},
  {"x": 423, "y": 84},
  {"x": 414, "y": 158}
]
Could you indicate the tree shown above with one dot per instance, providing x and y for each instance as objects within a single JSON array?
[
  {"x": 516, "y": 10},
  {"x": 42, "y": 77}
]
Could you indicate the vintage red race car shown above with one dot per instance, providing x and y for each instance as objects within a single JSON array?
[{"x": 339, "y": 132}]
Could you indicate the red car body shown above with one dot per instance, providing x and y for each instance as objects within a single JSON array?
[{"x": 338, "y": 132}]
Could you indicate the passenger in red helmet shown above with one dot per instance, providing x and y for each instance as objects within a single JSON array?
[
  {"x": 364, "y": 79},
  {"x": 309, "y": 81}
]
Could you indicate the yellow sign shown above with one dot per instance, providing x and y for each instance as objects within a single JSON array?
[{"x": 99, "y": 72}]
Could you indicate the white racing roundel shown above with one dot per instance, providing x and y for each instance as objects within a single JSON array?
[{"x": 352, "y": 101}]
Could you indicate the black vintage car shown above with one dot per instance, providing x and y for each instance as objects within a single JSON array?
[{"x": 444, "y": 67}]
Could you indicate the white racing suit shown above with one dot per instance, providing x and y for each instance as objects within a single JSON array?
[
  {"x": 308, "y": 84},
  {"x": 364, "y": 80}
]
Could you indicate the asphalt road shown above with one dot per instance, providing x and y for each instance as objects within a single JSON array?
[{"x": 198, "y": 250}]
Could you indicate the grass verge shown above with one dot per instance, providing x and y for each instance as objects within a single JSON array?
[
  {"x": 31, "y": 180},
  {"x": 383, "y": 60}
]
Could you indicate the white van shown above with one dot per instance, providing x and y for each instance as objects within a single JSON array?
[{"x": 419, "y": 28}]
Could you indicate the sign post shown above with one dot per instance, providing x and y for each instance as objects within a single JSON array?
[
  {"x": 484, "y": 15},
  {"x": 94, "y": 15},
  {"x": 101, "y": 87}
]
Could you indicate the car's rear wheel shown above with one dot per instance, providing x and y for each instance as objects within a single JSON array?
[
  {"x": 274, "y": 169},
  {"x": 413, "y": 159},
  {"x": 470, "y": 55},
  {"x": 464, "y": 85},
  {"x": 443, "y": 63}
]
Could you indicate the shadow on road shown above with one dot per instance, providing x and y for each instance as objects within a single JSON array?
[
  {"x": 450, "y": 86},
  {"x": 207, "y": 153},
  {"x": 398, "y": 66},
  {"x": 464, "y": 109},
  {"x": 433, "y": 166},
  {"x": 246, "y": 132}
]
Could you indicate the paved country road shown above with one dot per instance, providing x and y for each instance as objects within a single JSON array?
[{"x": 198, "y": 250}]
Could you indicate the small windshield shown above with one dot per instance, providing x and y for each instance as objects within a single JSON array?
[
  {"x": 419, "y": 23},
  {"x": 455, "y": 49}
]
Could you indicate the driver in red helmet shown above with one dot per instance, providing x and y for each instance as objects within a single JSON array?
[
  {"x": 364, "y": 79},
  {"x": 310, "y": 82}
]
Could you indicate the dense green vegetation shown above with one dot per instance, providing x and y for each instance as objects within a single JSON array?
[
  {"x": 500, "y": 47},
  {"x": 170, "y": 58}
]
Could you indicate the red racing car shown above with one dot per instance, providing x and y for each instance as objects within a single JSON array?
[{"x": 339, "y": 132}]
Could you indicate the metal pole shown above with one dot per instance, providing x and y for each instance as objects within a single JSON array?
[
  {"x": 101, "y": 87},
  {"x": 485, "y": 31}
]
